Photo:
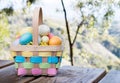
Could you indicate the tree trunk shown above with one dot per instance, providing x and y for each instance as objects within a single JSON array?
[
  {"x": 71, "y": 54},
  {"x": 68, "y": 33}
]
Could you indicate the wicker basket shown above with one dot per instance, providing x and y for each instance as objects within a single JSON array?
[{"x": 37, "y": 60}]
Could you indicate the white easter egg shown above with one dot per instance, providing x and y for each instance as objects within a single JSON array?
[
  {"x": 44, "y": 30},
  {"x": 45, "y": 39}
]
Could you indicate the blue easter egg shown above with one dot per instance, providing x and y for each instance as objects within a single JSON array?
[
  {"x": 25, "y": 38},
  {"x": 36, "y": 59},
  {"x": 52, "y": 59},
  {"x": 19, "y": 59}
]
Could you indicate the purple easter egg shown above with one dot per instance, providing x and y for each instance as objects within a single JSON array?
[{"x": 16, "y": 42}]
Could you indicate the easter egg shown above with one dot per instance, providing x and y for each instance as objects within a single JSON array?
[
  {"x": 18, "y": 35},
  {"x": 50, "y": 35},
  {"x": 44, "y": 30},
  {"x": 43, "y": 44},
  {"x": 16, "y": 42},
  {"x": 25, "y": 38},
  {"x": 45, "y": 39},
  {"x": 55, "y": 40},
  {"x": 30, "y": 43},
  {"x": 25, "y": 30}
]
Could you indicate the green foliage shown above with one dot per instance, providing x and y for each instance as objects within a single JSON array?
[
  {"x": 29, "y": 2},
  {"x": 87, "y": 59},
  {"x": 95, "y": 28},
  {"x": 4, "y": 31},
  {"x": 7, "y": 11},
  {"x": 80, "y": 4},
  {"x": 109, "y": 13},
  {"x": 93, "y": 8}
]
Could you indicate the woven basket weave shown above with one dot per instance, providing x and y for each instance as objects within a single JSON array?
[{"x": 37, "y": 60}]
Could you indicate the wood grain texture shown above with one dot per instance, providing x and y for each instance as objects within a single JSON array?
[
  {"x": 112, "y": 77},
  {"x": 71, "y": 74},
  {"x": 4, "y": 63},
  {"x": 66, "y": 74},
  {"x": 8, "y": 75},
  {"x": 36, "y": 48},
  {"x": 36, "y": 21}
]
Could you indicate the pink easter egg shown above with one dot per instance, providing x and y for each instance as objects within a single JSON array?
[
  {"x": 16, "y": 42},
  {"x": 52, "y": 71},
  {"x": 50, "y": 35},
  {"x": 22, "y": 71},
  {"x": 36, "y": 71}
]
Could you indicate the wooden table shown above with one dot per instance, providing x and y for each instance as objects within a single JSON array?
[
  {"x": 66, "y": 74},
  {"x": 112, "y": 77}
]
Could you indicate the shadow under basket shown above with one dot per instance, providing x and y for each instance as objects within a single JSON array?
[{"x": 34, "y": 59}]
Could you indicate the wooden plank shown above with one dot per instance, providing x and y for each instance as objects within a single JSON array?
[
  {"x": 8, "y": 75},
  {"x": 36, "y": 48},
  {"x": 94, "y": 76},
  {"x": 112, "y": 77},
  {"x": 70, "y": 74},
  {"x": 4, "y": 63}
]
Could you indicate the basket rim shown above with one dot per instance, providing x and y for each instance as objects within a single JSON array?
[{"x": 36, "y": 48}]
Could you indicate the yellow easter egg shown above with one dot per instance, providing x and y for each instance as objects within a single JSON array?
[
  {"x": 44, "y": 44},
  {"x": 55, "y": 40},
  {"x": 45, "y": 39}
]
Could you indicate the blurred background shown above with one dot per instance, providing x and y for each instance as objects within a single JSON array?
[{"x": 95, "y": 43}]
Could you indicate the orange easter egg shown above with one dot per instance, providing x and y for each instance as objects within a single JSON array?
[{"x": 55, "y": 40}]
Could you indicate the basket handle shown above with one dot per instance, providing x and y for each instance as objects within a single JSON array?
[{"x": 37, "y": 19}]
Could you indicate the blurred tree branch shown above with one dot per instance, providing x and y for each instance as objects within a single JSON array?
[
  {"x": 90, "y": 20},
  {"x": 78, "y": 27},
  {"x": 68, "y": 32}
]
